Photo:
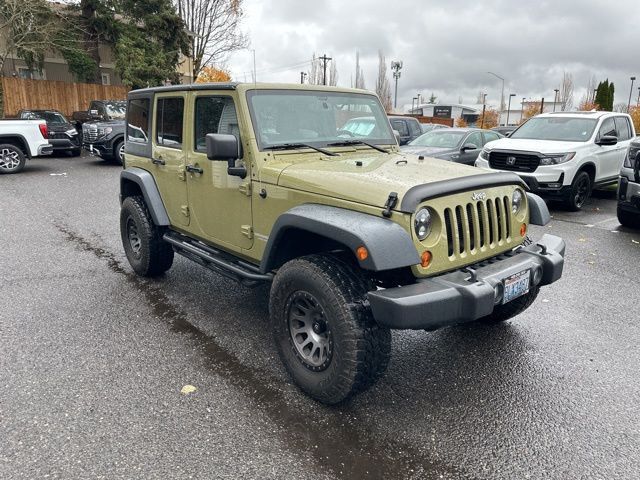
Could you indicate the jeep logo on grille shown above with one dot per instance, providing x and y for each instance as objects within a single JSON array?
[
  {"x": 511, "y": 160},
  {"x": 478, "y": 196}
]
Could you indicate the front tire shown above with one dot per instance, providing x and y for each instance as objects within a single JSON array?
[
  {"x": 118, "y": 152},
  {"x": 12, "y": 159},
  {"x": 580, "y": 192},
  {"x": 628, "y": 219},
  {"x": 148, "y": 254},
  {"x": 324, "y": 332}
]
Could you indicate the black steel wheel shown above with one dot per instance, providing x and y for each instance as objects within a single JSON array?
[{"x": 324, "y": 330}]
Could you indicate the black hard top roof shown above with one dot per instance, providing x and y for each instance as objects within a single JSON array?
[{"x": 187, "y": 87}]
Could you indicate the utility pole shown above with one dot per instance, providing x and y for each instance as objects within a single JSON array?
[
  {"x": 324, "y": 59},
  {"x": 555, "y": 98},
  {"x": 396, "y": 66},
  {"x": 303, "y": 75}
]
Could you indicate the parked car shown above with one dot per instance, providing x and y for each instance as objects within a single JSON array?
[
  {"x": 629, "y": 187},
  {"x": 22, "y": 139},
  {"x": 427, "y": 127},
  {"x": 63, "y": 136},
  {"x": 506, "y": 131},
  {"x": 105, "y": 139},
  {"x": 407, "y": 127},
  {"x": 459, "y": 145},
  {"x": 100, "y": 110},
  {"x": 564, "y": 155},
  {"x": 353, "y": 238}
]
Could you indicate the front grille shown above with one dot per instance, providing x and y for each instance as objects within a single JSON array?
[
  {"x": 89, "y": 133},
  {"x": 477, "y": 226},
  {"x": 514, "y": 161}
]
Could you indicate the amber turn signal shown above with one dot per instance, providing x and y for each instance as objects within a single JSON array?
[
  {"x": 523, "y": 229},
  {"x": 425, "y": 259},
  {"x": 362, "y": 253}
]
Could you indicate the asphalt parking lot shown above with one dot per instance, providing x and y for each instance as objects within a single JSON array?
[{"x": 93, "y": 360}]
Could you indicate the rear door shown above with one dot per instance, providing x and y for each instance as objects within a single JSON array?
[{"x": 168, "y": 154}]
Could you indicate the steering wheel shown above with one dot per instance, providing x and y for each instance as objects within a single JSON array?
[{"x": 341, "y": 132}]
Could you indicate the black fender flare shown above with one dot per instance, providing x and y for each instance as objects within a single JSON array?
[
  {"x": 538, "y": 211},
  {"x": 144, "y": 180},
  {"x": 389, "y": 245}
]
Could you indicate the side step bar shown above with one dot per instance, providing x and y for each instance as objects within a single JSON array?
[{"x": 216, "y": 260}]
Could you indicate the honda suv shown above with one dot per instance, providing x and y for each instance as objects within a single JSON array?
[{"x": 564, "y": 155}]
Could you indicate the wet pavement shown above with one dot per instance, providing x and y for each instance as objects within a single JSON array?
[{"x": 93, "y": 358}]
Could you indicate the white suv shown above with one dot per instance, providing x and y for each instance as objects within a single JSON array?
[{"x": 564, "y": 155}]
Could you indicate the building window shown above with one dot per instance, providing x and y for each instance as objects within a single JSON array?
[
  {"x": 24, "y": 72},
  {"x": 106, "y": 79}
]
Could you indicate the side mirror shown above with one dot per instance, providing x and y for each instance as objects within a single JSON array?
[
  {"x": 396, "y": 134},
  {"x": 93, "y": 112},
  {"x": 469, "y": 146},
  {"x": 607, "y": 140},
  {"x": 508, "y": 134},
  {"x": 222, "y": 147}
]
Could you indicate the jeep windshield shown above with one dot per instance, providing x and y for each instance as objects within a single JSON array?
[
  {"x": 562, "y": 129},
  {"x": 317, "y": 118}
]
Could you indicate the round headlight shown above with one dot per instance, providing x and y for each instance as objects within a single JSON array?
[
  {"x": 516, "y": 201},
  {"x": 422, "y": 223}
]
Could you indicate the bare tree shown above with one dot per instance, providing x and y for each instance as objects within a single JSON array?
[
  {"x": 383, "y": 87},
  {"x": 589, "y": 97},
  {"x": 620, "y": 107},
  {"x": 565, "y": 95},
  {"x": 214, "y": 27},
  {"x": 359, "y": 74},
  {"x": 333, "y": 73},
  {"x": 315, "y": 73}
]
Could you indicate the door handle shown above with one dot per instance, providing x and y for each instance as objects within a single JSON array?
[
  {"x": 157, "y": 161},
  {"x": 194, "y": 169}
]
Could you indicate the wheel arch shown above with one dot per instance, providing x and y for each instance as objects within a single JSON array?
[
  {"x": 590, "y": 168},
  {"x": 17, "y": 141},
  {"x": 136, "y": 181},
  {"x": 313, "y": 228}
]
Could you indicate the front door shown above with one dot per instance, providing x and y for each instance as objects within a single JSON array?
[
  {"x": 168, "y": 155},
  {"x": 220, "y": 204}
]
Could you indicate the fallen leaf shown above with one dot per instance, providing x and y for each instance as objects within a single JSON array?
[
  {"x": 545, "y": 300},
  {"x": 187, "y": 389},
  {"x": 582, "y": 239},
  {"x": 591, "y": 263},
  {"x": 635, "y": 241}
]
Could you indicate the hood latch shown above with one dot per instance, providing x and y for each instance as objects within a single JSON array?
[{"x": 392, "y": 199}]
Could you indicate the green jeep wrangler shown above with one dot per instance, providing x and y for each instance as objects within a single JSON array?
[{"x": 269, "y": 184}]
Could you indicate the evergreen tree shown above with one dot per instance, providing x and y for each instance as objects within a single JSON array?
[
  {"x": 604, "y": 96},
  {"x": 611, "y": 97}
]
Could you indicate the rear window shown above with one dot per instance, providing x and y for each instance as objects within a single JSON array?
[
  {"x": 624, "y": 130},
  {"x": 169, "y": 117},
  {"x": 138, "y": 120}
]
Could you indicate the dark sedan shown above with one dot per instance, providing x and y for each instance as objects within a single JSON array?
[
  {"x": 63, "y": 136},
  {"x": 461, "y": 145}
]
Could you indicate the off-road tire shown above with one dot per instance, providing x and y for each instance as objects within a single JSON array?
[
  {"x": 502, "y": 313},
  {"x": 148, "y": 254},
  {"x": 16, "y": 163},
  {"x": 628, "y": 219},
  {"x": 360, "y": 348},
  {"x": 577, "y": 197}
]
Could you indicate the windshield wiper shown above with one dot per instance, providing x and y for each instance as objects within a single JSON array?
[
  {"x": 292, "y": 146},
  {"x": 344, "y": 143}
]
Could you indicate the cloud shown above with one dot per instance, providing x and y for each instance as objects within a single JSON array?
[{"x": 447, "y": 47}]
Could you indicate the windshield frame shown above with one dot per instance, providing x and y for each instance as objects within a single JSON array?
[
  {"x": 532, "y": 120},
  {"x": 250, "y": 94}
]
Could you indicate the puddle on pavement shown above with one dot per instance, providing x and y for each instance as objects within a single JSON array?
[{"x": 348, "y": 452}]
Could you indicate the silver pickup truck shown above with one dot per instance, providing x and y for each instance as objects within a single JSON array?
[{"x": 22, "y": 139}]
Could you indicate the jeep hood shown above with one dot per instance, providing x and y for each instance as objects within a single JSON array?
[
  {"x": 372, "y": 182},
  {"x": 530, "y": 145}
]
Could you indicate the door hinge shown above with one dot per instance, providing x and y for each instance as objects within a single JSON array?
[
  {"x": 245, "y": 188},
  {"x": 182, "y": 174},
  {"x": 185, "y": 210},
  {"x": 247, "y": 231}
]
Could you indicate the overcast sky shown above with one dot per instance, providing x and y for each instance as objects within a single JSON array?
[{"x": 447, "y": 47}]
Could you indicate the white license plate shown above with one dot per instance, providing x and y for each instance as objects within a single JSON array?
[{"x": 516, "y": 285}]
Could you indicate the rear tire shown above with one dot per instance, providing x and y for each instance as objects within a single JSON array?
[
  {"x": 580, "y": 192},
  {"x": 324, "y": 332},
  {"x": 148, "y": 254},
  {"x": 12, "y": 159},
  {"x": 628, "y": 219}
]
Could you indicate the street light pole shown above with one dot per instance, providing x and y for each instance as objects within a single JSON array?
[
  {"x": 555, "y": 98},
  {"x": 630, "y": 93},
  {"x": 302, "y": 76},
  {"x": 412, "y": 102},
  {"x": 638, "y": 102},
  {"x": 509, "y": 109},
  {"x": 396, "y": 66},
  {"x": 522, "y": 111},
  {"x": 502, "y": 93}
]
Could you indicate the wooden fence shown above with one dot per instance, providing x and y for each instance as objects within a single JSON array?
[{"x": 20, "y": 93}]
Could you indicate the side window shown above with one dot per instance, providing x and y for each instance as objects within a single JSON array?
[
  {"x": 475, "y": 138},
  {"x": 623, "y": 128},
  {"x": 608, "y": 128},
  {"x": 415, "y": 129},
  {"x": 214, "y": 115},
  {"x": 169, "y": 118},
  {"x": 138, "y": 120},
  {"x": 490, "y": 137},
  {"x": 401, "y": 127}
]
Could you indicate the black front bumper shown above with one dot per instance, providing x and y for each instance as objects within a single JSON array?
[{"x": 455, "y": 297}]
